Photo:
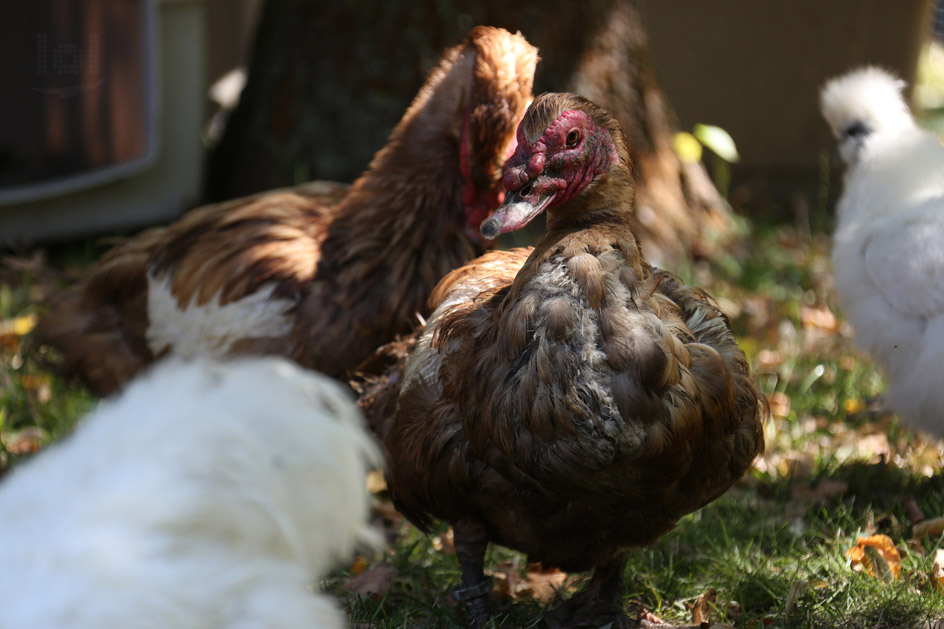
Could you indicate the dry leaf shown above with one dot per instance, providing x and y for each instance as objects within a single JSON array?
[
  {"x": 375, "y": 482},
  {"x": 769, "y": 360},
  {"x": 445, "y": 543},
  {"x": 358, "y": 565},
  {"x": 13, "y": 331},
  {"x": 375, "y": 582},
  {"x": 928, "y": 528},
  {"x": 538, "y": 583},
  {"x": 24, "y": 441},
  {"x": 878, "y": 555},
  {"x": 506, "y": 580},
  {"x": 41, "y": 384},
  {"x": 646, "y": 616},
  {"x": 779, "y": 404},
  {"x": 819, "y": 317},
  {"x": 796, "y": 591},
  {"x": 542, "y": 584},
  {"x": 882, "y": 568},
  {"x": 703, "y": 606},
  {"x": 853, "y": 407},
  {"x": 937, "y": 569},
  {"x": 875, "y": 444},
  {"x": 20, "y": 326}
]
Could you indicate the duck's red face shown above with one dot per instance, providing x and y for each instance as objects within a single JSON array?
[
  {"x": 479, "y": 200},
  {"x": 496, "y": 100},
  {"x": 551, "y": 170}
]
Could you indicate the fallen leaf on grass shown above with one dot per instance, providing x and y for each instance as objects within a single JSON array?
[
  {"x": 358, "y": 565},
  {"x": 937, "y": 569},
  {"x": 20, "y": 326},
  {"x": 820, "y": 317},
  {"x": 506, "y": 580},
  {"x": 796, "y": 591},
  {"x": 538, "y": 583},
  {"x": 445, "y": 543},
  {"x": 646, "y": 620},
  {"x": 13, "y": 331},
  {"x": 883, "y": 568},
  {"x": 796, "y": 465},
  {"x": 928, "y": 528},
  {"x": 541, "y": 583},
  {"x": 779, "y": 404},
  {"x": 853, "y": 406},
  {"x": 376, "y": 484},
  {"x": 375, "y": 582},
  {"x": 24, "y": 441},
  {"x": 703, "y": 606},
  {"x": 875, "y": 444},
  {"x": 877, "y": 555},
  {"x": 769, "y": 360},
  {"x": 41, "y": 384},
  {"x": 647, "y": 616}
]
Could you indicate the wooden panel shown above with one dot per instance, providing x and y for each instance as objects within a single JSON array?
[{"x": 77, "y": 83}]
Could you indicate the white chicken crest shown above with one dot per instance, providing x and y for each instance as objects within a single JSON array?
[
  {"x": 207, "y": 495},
  {"x": 888, "y": 246}
]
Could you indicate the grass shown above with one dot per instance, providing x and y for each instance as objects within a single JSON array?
[
  {"x": 771, "y": 552},
  {"x": 36, "y": 407}
]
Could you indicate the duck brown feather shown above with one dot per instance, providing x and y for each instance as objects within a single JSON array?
[
  {"x": 569, "y": 401},
  {"x": 322, "y": 273}
]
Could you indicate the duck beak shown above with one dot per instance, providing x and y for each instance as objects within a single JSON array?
[{"x": 515, "y": 212}]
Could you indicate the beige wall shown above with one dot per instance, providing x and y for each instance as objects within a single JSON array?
[{"x": 754, "y": 67}]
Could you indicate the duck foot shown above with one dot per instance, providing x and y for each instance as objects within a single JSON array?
[
  {"x": 471, "y": 540},
  {"x": 599, "y": 605}
]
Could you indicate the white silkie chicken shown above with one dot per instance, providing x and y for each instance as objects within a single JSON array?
[
  {"x": 888, "y": 247},
  {"x": 208, "y": 495}
]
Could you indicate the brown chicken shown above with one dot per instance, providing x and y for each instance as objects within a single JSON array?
[
  {"x": 569, "y": 401},
  {"x": 318, "y": 273}
]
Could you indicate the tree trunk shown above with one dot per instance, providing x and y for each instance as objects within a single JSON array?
[{"x": 329, "y": 80}]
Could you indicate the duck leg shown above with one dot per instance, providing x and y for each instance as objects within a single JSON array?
[
  {"x": 600, "y": 604},
  {"x": 471, "y": 540}
]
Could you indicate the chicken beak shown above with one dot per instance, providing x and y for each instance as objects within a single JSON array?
[{"x": 514, "y": 213}]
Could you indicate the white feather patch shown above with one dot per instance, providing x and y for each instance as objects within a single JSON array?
[
  {"x": 206, "y": 495},
  {"x": 211, "y": 329}
]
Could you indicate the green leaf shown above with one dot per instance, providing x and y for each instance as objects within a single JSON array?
[
  {"x": 686, "y": 146},
  {"x": 718, "y": 140}
]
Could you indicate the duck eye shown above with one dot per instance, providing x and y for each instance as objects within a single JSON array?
[
  {"x": 855, "y": 130},
  {"x": 526, "y": 189},
  {"x": 572, "y": 138}
]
